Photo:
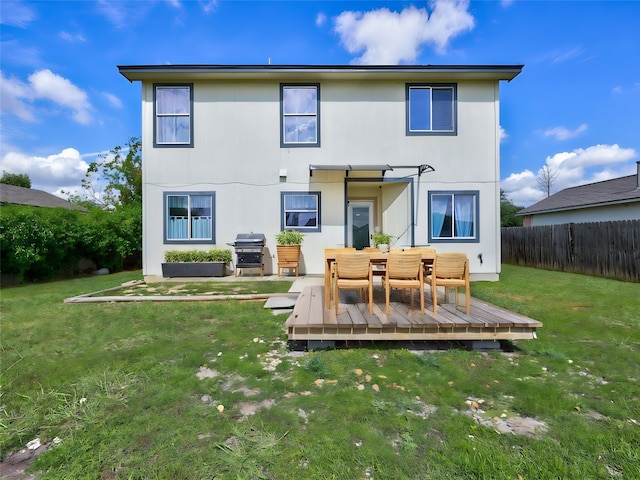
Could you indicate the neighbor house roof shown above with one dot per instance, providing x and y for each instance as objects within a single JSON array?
[
  {"x": 389, "y": 72},
  {"x": 10, "y": 194},
  {"x": 608, "y": 192}
]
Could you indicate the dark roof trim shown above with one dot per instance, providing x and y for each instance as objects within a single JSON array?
[
  {"x": 584, "y": 206},
  {"x": 351, "y": 168},
  {"x": 148, "y": 72}
]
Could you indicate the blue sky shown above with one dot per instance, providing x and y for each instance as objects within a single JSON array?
[{"x": 574, "y": 108}]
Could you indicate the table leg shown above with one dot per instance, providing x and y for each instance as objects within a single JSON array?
[{"x": 327, "y": 283}]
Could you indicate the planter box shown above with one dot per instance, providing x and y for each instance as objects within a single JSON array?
[
  {"x": 288, "y": 257},
  {"x": 194, "y": 269}
]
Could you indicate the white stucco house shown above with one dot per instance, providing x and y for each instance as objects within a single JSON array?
[{"x": 336, "y": 152}]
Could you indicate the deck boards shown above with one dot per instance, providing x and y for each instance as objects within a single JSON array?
[{"x": 310, "y": 319}]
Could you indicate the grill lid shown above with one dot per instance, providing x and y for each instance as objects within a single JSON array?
[{"x": 249, "y": 239}]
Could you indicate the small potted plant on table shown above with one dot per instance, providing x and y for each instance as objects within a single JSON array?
[
  {"x": 288, "y": 249},
  {"x": 196, "y": 263},
  {"x": 381, "y": 241}
]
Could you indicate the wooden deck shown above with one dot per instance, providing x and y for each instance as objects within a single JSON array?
[{"x": 310, "y": 320}]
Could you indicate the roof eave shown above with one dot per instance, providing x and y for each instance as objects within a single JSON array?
[{"x": 242, "y": 72}]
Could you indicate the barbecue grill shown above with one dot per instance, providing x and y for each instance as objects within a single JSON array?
[{"x": 249, "y": 249}]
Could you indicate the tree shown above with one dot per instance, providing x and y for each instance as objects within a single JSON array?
[
  {"x": 508, "y": 210},
  {"x": 120, "y": 172},
  {"x": 16, "y": 179},
  {"x": 546, "y": 179}
]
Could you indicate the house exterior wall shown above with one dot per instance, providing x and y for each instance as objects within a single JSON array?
[
  {"x": 609, "y": 213},
  {"x": 237, "y": 155}
]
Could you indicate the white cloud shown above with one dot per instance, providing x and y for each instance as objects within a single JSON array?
[
  {"x": 113, "y": 100},
  {"x": 321, "y": 19},
  {"x": 123, "y": 14},
  {"x": 561, "y": 57},
  {"x": 588, "y": 165},
  {"x": 72, "y": 37},
  {"x": 48, "y": 173},
  {"x": 19, "y": 98},
  {"x": 15, "y": 98},
  {"x": 14, "y": 53},
  {"x": 563, "y": 133},
  {"x": 17, "y": 14},
  {"x": 521, "y": 188},
  {"x": 209, "y": 5},
  {"x": 597, "y": 155},
  {"x": 503, "y": 135},
  {"x": 48, "y": 85},
  {"x": 389, "y": 38}
]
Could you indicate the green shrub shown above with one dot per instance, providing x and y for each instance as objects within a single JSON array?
[
  {"x": 212, "y": 255},
  {"x": 42, "y": 243}
]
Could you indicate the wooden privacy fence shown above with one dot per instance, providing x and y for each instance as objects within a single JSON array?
[{"x": 603, "y": 249}]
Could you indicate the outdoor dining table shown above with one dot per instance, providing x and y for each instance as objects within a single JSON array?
[{"x": 376, "y": 258}]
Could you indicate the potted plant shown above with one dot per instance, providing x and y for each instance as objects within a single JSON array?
[
  {"x": 288, "y": 249},
  {"x": 196, "y": 263},
  {"x": 381, "y": 241}
]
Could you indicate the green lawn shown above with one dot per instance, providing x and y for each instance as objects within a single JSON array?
[{"x": 208, "y": 390}]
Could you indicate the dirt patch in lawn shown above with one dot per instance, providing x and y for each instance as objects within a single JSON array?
[{"x": 14, "y": 466}]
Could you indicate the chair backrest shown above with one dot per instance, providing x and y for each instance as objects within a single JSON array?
[
  {"x": 404, "y": 264},
  {"x": 334, "y": 251},
  {"x": 352, "y": 265},
  {"x": 424, "y": 249},
  {"x": 450, "y": 265}
]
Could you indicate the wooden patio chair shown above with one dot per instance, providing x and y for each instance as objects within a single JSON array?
[
  {"x": 378, "y": 270},
  {"x": 427, "y": 267},
  {"x": 404, "y": 270},
  {"x": 352, "y": 271},
  {"x": 450, "y": 270},
  {"x": 333, "y": 252}
]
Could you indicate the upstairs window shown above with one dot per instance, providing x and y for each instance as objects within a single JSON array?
[
  {"x": 453, "y": 216},
  {"x": 431, "y": 109},
  {"x": 300, "y": 115},
  {"x": 189, "y": 217},
  {"x": 173, "y": 125},
  {"x": 300, "y": 211}
]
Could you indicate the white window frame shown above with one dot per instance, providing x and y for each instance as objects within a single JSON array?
[
  {"x": 157, "y": 116},
  {"x": 283, "y": 115}
]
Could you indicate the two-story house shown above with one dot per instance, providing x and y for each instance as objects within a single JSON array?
[{"x": 337, "y": 152}]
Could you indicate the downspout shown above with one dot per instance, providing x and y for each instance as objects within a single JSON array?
[{"x": 413, "y": 215}]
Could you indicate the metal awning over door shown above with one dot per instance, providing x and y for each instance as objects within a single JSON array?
[{"x": 351, "y": 168}]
